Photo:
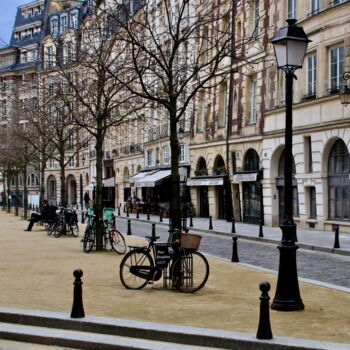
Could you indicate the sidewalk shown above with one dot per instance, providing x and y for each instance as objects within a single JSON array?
[
  {"x": 307, "y": 239},
  {"x": 37, "y": 269}
]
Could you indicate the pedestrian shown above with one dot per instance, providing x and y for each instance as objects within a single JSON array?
[
  {"x": 35, "y": 217},
  {"x": 87, "y": 200}
]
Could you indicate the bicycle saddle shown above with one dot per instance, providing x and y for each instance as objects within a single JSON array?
[{"x": 152, "y": 238}]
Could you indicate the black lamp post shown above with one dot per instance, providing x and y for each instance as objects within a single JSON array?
[{"x": 290, "y": 44}]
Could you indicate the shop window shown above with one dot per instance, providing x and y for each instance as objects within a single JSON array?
[
  {"x": 312, "y": 203},
  {"x": 339, "y": 182}
]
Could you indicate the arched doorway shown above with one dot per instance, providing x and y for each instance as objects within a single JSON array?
[
  {"x": 339, "y": 182},
  {"x": 280, "y": 188},
  {"x": 219, "y": 169},
  {"x": 252, "y": 196},
  {"x": 51, "y": 190},
  {"x": 202, "y": 190},
  {"x": 71, "y": 190}
]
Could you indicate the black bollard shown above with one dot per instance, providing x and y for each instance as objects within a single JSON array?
[
  {"x": 160, "y": 216},
  {"x": 153, "y": 231},
  {"x": 191, "y": 219},
  {"x": 82, "y": 217},
  {"x": 148, "y": 218},
  {"x": 77, "y": 308},
  {"x": 210, "y": 223},
  {"x": 129, "y": 228},
  {"x": 118, "y": 211},
  {"x": 137, "y": 213},
  {"x": 127, "y": 212},
  {"x": 261, "y": 234},
  {"x": 336, "y": 236},
  {"x": 233, "y": 227},
  {"x": 264, "y": 328},
  {"x": 234, "y": 250},
  {"x": 113, "y": 219}
]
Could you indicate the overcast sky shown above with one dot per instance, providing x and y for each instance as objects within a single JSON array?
[{"x": 8, "y": 9}]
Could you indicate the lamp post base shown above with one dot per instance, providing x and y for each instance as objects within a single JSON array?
[{"x": 287, "y": 296}]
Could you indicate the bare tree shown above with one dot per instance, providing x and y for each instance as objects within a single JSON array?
[{"x": 174, "y": 50}]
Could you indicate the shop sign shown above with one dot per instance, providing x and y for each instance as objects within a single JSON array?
[
  {"x": 251, "y": 177},
  {"x": 205, "y": 182}
]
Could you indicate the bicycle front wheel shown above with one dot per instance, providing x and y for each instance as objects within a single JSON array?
[
  {"x": 58, "y": 228},
  {"x": 117, "y": 241},
  {"x": 74, "y": 229},
  {"x": 89, "y": 239},
  {"x": 190, "y": 272},
  {"x": 138, "y": 259}
]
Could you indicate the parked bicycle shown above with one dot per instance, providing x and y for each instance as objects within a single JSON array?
[
  {"x": 112, "y": 238},
  {"x": 65, "y": 222},
  {"x": 179, "y": 263}
]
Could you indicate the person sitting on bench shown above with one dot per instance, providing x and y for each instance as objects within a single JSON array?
[{"x": 35, "y": 217}]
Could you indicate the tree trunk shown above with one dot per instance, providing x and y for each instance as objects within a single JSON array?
[
  {"x": 8, "y": 182},
  {"x": 17, "y": 192},
  {"x": 42, "y": 178},
  {"x": 175, "y": 205},
  {"x": 98, "y": 191},
  {"x": 25, "y": 193},
  {"x": 63, "y": 200}
]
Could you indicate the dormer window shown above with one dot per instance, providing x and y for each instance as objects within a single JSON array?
[
  {"x": 54, "y": 26},
  {"x": 74, "y": 19},
  {"x": 64, "y": 23},
  {"x": 24, "y": 57}
]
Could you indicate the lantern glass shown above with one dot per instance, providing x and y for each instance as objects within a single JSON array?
[
  {"x": 344, "y": 96},
  {"x": 290, "y": 53}
]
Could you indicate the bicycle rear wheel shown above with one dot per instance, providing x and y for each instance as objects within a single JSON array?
[
  {"x": 89, "y": 239},
  {"x": 58, "y": 228},
  {"x": 136, "y": 258},
  {"x": 74, "y": 229},
  {"x": 190, "y": 272},
  {"x": 117, "y": 241}
]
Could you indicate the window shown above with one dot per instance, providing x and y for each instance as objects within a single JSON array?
[
  {"x": 256, "y": 17},
  {"x": 54, "y": 26},
  {"x": 208, "y": 116},
  {"x": 166, "y": 155},
  {"x": 311, "y": 74},
  {"x": 50, "y": 56},
  {"x": 182, "y": 156},
  {"x": 308, "y": 154},
  {"x": 336, "y": 67},
  {"x": 253, "y": 100},
  {"x": 74, "y": 19},
  {"x": 223, "y": 100},
  {"x": 69, "y": 52},
  {"x": 312, "y": 203},
  {"x": 339, "y": 182},
  {"x": 336, "y": 2},
  {"x": 24, "y": 56},
  {"x": 71, "y": 162},
  {"x": 71, "y": 143},
  {"x": 149, "y": 158},
  {"x": 292, "y": 8},
  {"x": 51, "y": 163},
  {"x": 315, "y": 7},
  {"x": 32, "y": 180},
  {"x": 201, "y": 110},
  {"x": 64, "y": 23}
]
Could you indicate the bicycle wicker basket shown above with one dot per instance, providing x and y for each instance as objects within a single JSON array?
[{"x": 190, "y": 241}]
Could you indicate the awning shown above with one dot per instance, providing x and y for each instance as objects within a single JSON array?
[
  {"x": 245, "y": 177},
  {"x": 108, "y": 182},
  {"x": 139, "y": 176},
  {"x": 212, "y": 181},
  {"x": 152, "y": 179}
]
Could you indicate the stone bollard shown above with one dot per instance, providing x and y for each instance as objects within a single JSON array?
[
  {"x": 137, "y": 213},
  {"x": 77, "y": 308},
  {"x": 210, "y": 223},
  {"x": 129, "y": 228},
  {"x": 119, "y": 211},
  {"x": 160, "y": 216},
  {"x": 261, "y": 234},
  {"x": 264, "y": 328},
  {"x": 153, "y": 231},
  {"x": 148, "y": 218},
  {"x": 234, "y": 250},
  {"x": 336, "y": 236},
  {"x": 191, "y": 220}
]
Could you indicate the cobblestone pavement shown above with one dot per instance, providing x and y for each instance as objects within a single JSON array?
[{"x": 323, "y": 267}]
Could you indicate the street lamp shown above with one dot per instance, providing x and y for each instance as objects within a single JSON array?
[
  {"x": 344, "y": 92},
  {"x": 290, "y": 44}
]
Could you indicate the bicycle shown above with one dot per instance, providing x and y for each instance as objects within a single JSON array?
[
  {"x": 113, "y": 239},
  {"x": 66, "y": 221},
  {"x": 188, "y": 272}
]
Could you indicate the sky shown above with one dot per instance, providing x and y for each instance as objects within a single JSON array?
[{"x": 8, "y": 9}]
